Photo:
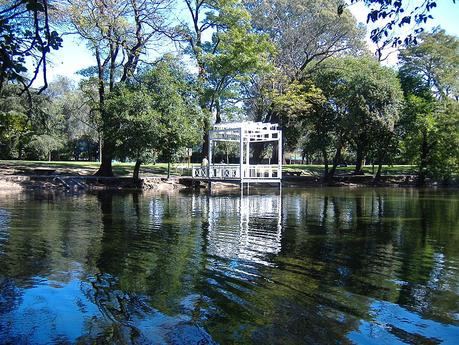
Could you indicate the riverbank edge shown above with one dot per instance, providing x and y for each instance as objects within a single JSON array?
[{"x": 75, "y": 182}]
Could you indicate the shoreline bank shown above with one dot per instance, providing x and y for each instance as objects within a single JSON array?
[{"x": 81, "y": 183}]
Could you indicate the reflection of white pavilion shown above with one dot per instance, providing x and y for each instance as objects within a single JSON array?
[
  {"x": 246, "y": 227},
  {"x": 243, "y": 133}
]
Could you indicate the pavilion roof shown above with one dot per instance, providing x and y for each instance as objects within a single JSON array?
[
  {"x": 247, "y": 125},
  {"x": 247, "y": 130}
]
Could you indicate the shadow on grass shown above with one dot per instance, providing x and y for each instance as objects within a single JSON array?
[
  {"x": 318, "y": 170},
  {"x": 84, "y": 168}
]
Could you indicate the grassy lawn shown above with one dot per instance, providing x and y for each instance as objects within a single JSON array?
[
  {"x": 368, "y": 169},
  {"x": 79, "y": 167},
  {"x": 125, "y": 169}
]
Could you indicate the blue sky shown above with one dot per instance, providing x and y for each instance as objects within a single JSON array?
[{"x": 74, "y": 55}]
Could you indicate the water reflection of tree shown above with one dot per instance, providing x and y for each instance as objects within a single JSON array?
[
  {"x": 138, "y": 265},
  {"x": 46, "y": 244},
  {"x": 340, "y": 250},
  {"x": 152, "y": 255},
  {"x": 46, "y": 236},
  {"x": 429, "y": 247},
  {"x": 370, "y": 253}
]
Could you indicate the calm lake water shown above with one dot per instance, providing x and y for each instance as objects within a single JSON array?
[{"x": 318, "y": 266}]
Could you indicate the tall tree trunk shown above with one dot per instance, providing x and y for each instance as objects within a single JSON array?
[
  {"x": 136, "y": 172},
  {"x": 336, "y": 160},
  {"x": 205, "y": 143},
  {"x": 100, "y": 147},
  {"x": 325, "y": 157},
  {"x": 218, "y": 118},
  {"x": 196, "y": 45},
  {"x": 377, "y": 177},
  {"x": 168, "y": 169},
  {"x": 423, "y": 160},
  {"x": 105, "y": 168},
  {"x": 381, "y": 157},
  {"x": 274, "y": 157},
  {"x": 359, "y": 161}
]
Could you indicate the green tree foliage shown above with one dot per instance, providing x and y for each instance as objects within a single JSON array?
[
  {"x": 133, "y": 130},
  {"x": 22, "y": 118},
  {"x": 305, "y": 33},
  {"x": 177, "y": 103},
  {"x": 47, "y": 125},
  {"x": 15, "y": 128},
  {"x": 430, "y": 132},
  {"x": 43, "y": 145},
  {"x": 429, "y": 74},
  {"x": 435, "y": 60},
  {"x": 118, "y": 33},
  {"x": 284, "y": 61},
  {"x": 230, "y": 59},
  {"x": 69, "y": 115},
  {"x": 224, "y": 151},
  {"x": 363, "y": 103},
  {"x": 56, "y": 124},
  {"x": 446, "y": 160},
  {"x": 293, "y": 107},
  {"x": 226, "y": 50},
  {"x": 167, "y": 121}
]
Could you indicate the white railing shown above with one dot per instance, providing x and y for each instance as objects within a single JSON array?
[
  {"x": 199, "y": 172},
  {"x": 218, "y": 171},
  {"x": 225, "y": 171},
  {"x": 233, "y": 171},
  {"x": 262, "y": 171}
]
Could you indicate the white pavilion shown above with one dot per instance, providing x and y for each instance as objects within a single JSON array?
[{"x": 243, "y": 133}]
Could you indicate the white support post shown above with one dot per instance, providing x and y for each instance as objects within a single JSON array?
[
  {"x": 241, "y": 154},
  {"x": 209, "y": 158},
  {"x": 247, "y": 158},
  {"x": 279, "y": 156}
]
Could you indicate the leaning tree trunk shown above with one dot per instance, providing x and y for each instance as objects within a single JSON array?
[
  {"x": 377, "y": 177},
  {"x": 381, "y": 157},
  {"x": 136, "y": 172},
  {"x": 336, "y": 160}
]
